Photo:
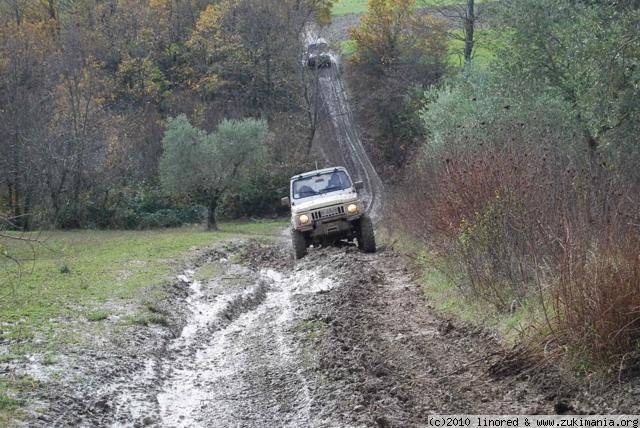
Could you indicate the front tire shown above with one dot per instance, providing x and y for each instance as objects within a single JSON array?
[
  {"x": 299, "y": 244},
  {"x": 366, "y": 238}
]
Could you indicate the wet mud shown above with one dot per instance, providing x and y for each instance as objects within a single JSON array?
[{"x": 340, "y": 338}]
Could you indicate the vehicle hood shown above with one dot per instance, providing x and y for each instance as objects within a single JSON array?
[{"x": 321, "y": 201}]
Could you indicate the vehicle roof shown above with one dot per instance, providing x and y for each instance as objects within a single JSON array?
[
  {"x": 316, "y": 42},
  {"x": 318, "y": 172}
]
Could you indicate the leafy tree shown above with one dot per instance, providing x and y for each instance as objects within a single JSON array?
[
  {"x": 23, "y": 103},
  {"x": 207, "y": 166},
  {"x": 477, "y": 109},
  {"x": 587, "y": 52},
  {"x": 218, "y": 55},
  {"x": 393, "y": 36},
  {"x": 322, "y": 10},
  {"x": 397, "y": 51}
]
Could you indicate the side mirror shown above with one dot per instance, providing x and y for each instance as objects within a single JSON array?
[
  {"x": 286, "y": 202},
  {"x": 359, "y": 185}
]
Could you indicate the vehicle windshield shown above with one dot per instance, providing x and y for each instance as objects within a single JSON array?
[
  {"x": 320, "y": 184},
  {"x": 317, "y": 47}
]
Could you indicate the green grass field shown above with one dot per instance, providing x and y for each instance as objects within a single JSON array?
[
  {"x": 342, "y": 7},
  {"x": 79, "y": 285},
  {"x": 86, "y": 274}
]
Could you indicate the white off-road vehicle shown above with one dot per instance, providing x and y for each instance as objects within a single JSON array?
[
  {"x": 326, "y": 208},
  {"x": 318, "y": 55}
]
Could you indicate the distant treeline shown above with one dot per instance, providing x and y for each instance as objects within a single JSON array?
[{"x": 86, "y": 87}]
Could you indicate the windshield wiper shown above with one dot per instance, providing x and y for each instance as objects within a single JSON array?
[{"x": 332, "y": 188}]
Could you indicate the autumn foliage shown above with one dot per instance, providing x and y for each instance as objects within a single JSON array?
[
  {"x": 393, "y": 35},
  {"x": 398, "y": 51},
  {"x": 86, "y": 89}
]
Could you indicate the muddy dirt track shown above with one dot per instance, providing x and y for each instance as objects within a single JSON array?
[
  {"x": 337, "y": 339},
  {"x": 340, "y": 338},
  {"x": 339, "y": 140}
]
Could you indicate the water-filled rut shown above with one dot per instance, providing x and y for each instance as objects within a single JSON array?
[{"x": 236, "y": 360}]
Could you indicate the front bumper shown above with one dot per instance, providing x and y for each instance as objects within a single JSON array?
[
  {"x": 331, "y": 214},
  {"x": 337, "y": 227}
]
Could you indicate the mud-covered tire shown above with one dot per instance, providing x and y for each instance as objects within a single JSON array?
[
  {"x": 366, "y": 238},
  {"x": 299, "y": 244}
]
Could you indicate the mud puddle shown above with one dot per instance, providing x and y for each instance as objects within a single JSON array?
[{"x": 237, "y": 360}]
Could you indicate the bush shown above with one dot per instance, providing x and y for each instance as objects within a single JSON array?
[
  {"x": 597, "y": 302},
  {"x": 523, "y": 223},
  {"x": 257, "y": 196},
  {"x": 141, "y": 208},
  {"x": 512, "y": 201}
]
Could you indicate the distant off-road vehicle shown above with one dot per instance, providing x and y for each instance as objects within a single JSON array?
[
  {"x": 318, "y": 55},
  {"x": 326, "y": 208}
]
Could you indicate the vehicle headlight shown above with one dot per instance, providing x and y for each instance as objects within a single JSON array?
[
  {"x": 352, "y": 209},
  {"x": 304, "y": 219}
]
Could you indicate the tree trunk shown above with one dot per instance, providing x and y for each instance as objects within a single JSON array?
[
  {"x": 212, "y": 224},
  {"x": 594, "y": 175},
  {"x": 469, "y": 26},
  {"x": 14, "y": 207},
  {"x": 52, "y": 9}
]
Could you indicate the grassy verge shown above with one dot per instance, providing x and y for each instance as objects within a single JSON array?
[
  {"x": 342, "y": 7},
  {"x": 484, "y": 48},
  {"x": 443, "y": 293},
  {"x": 68, "y": 288}
]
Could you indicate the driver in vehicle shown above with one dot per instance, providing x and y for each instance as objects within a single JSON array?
[
  {"x": 335, "y": 182},
  {"x": 307, "y": 190}
]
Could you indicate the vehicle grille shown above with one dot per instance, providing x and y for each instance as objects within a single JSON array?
[{"x": 327, "y": 212}]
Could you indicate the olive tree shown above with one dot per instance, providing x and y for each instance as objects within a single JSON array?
[{"x": 206, "y": 166}]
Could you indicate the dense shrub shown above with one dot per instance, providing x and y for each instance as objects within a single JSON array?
[
  {"x": 505, "y": 190},
  {"x": 257, "y": 196},
  {"x": 141, "y": 208},
  {"x": 596, "y": 298}
]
